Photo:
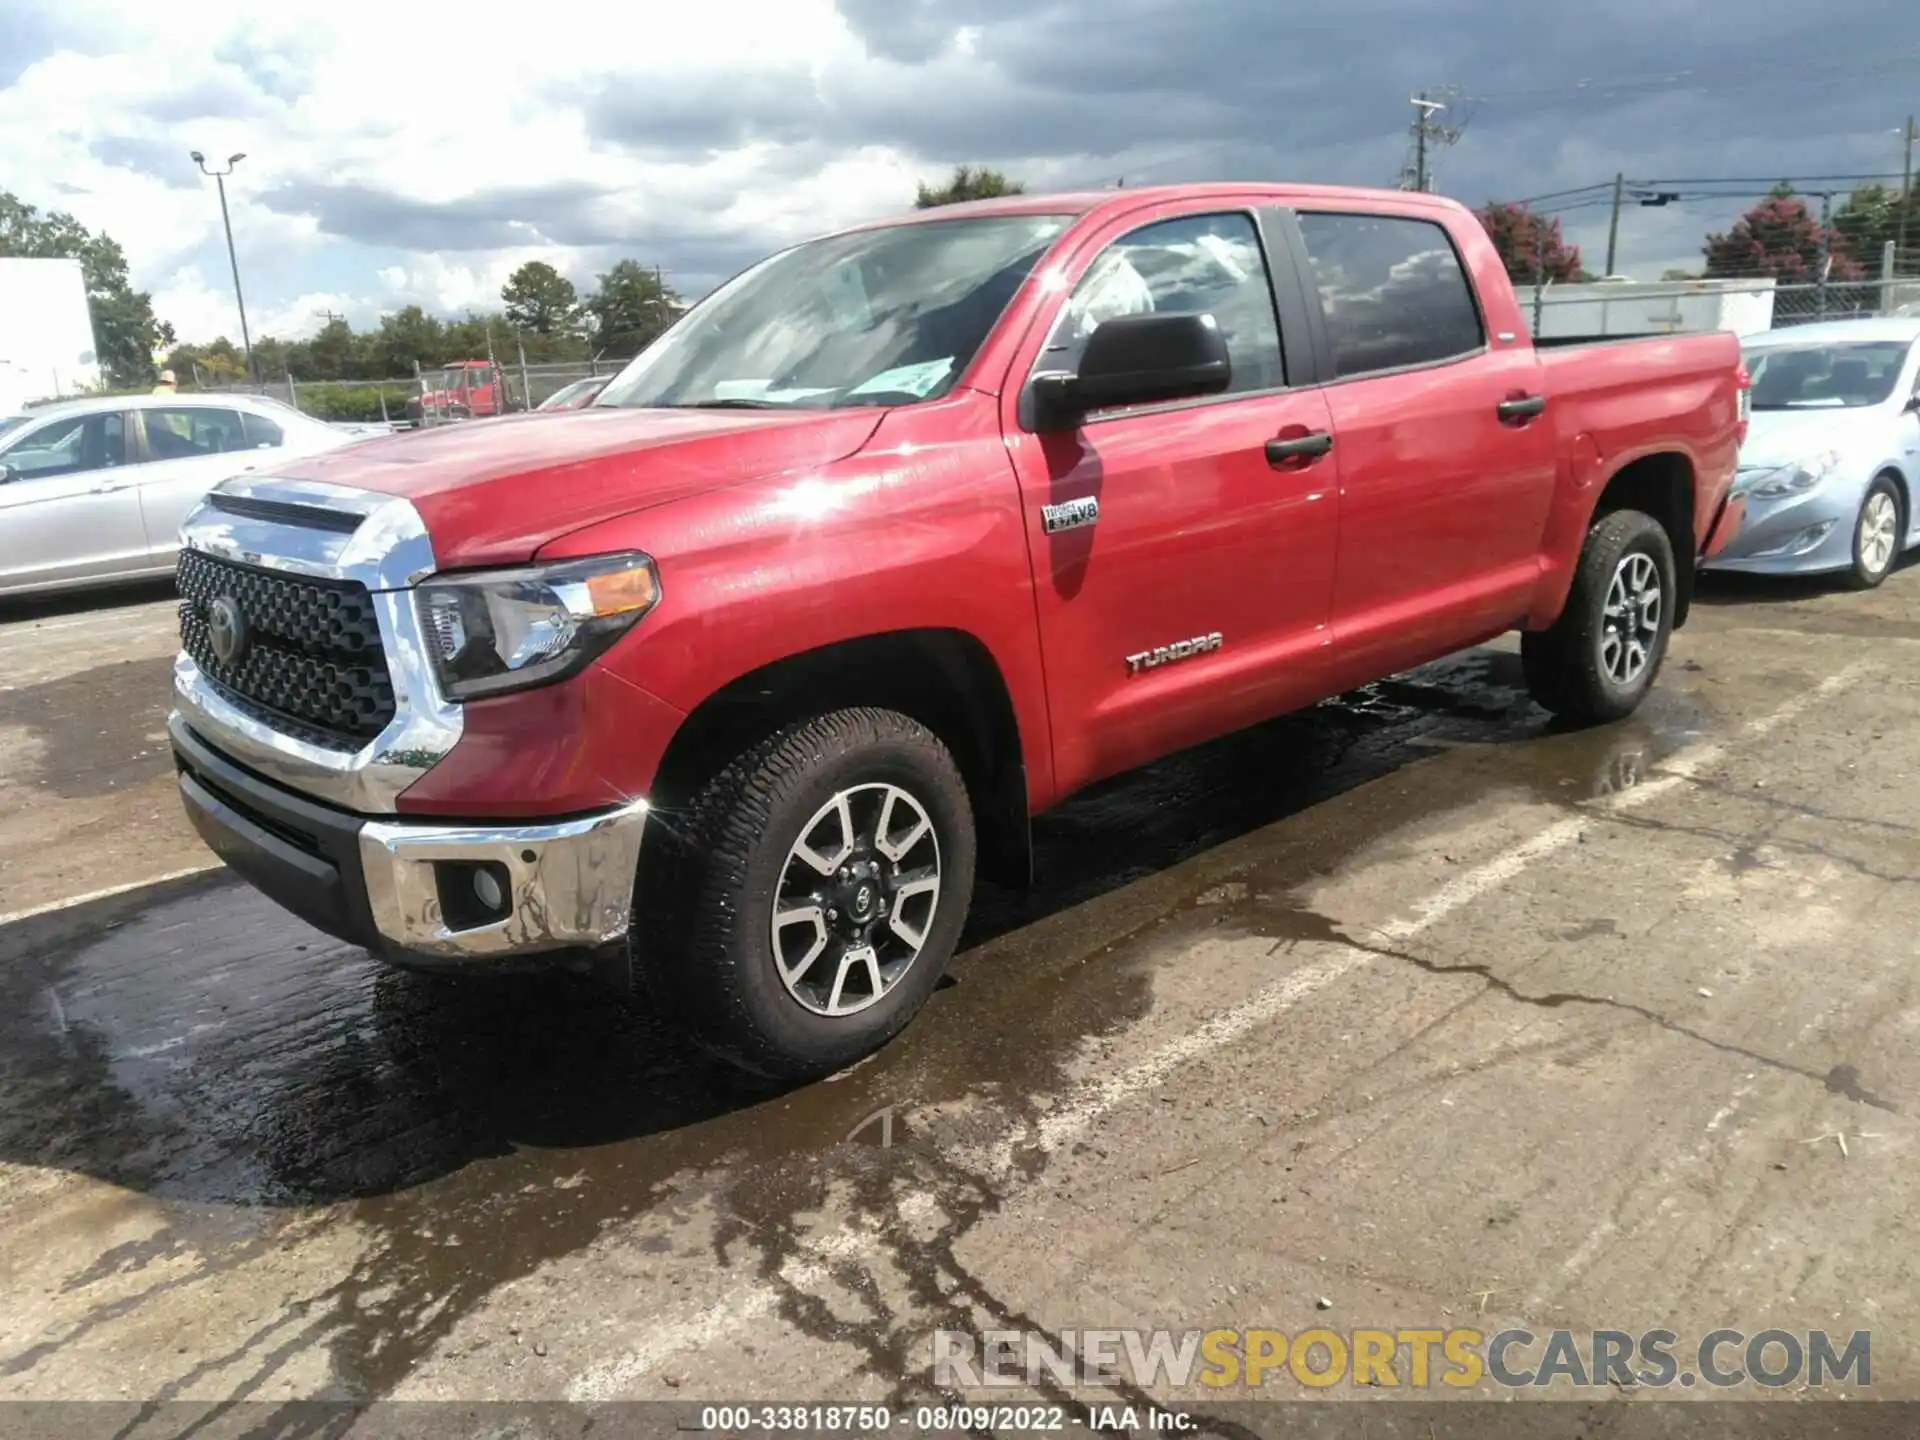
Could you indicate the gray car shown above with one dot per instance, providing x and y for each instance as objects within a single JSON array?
[
  {"x": 1832, "y": 457},
  {"x": 93, "y": 491}
]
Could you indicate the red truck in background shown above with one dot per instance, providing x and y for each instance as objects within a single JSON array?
[
  {"x": 729, "y": 682},
  {"x": 466, "y": 390}
]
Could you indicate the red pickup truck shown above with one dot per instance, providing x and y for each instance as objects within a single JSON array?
[{"x": 730, "y": 681}]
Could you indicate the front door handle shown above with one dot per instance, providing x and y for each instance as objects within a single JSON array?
[
  {"x": 107, "y": 487},
  {"x": 1298, "y": 450},
  {"x": 1525, "y": 407}
]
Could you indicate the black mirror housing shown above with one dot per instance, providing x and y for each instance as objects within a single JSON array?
[{"x": 1137, "y": 360}]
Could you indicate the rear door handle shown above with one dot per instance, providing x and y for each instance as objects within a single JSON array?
[
  {"x": 1299, "y": 449},
  {"x": 1525, "y": 408},
  {"x": 107, "y": 487}
]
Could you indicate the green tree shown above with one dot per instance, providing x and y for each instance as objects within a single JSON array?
[
  {"x": 1869, "y": 219},
  {"x": 125, "y": 331},
  {"x": 631, "y": 306},
  {"x": 407, "y": 337},
  {"x": 539, "y": 298},
  {"x": 1778, "y": 237},
  {"x": 332, "y": 354},
  {"x": 967, "y": 182},
  {"x": 1530, "y": 245}
]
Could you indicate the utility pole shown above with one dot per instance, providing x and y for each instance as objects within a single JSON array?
[
  {"x": 220, "y": 180},
  {"x": 1826, "y": 244},
  {"x": 1427, "y": 137},
  {"x": 1906, "y": 198},
  {"x": 1420, "y": 141},
  {"x": 1613, "y": 228}
]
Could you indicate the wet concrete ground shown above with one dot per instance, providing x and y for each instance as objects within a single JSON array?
[{"x": 1412, "y": 1003}]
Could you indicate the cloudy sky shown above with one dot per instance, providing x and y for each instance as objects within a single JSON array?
[{"x": 420, "y": 151}]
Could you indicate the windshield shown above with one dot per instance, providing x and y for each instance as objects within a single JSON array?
[
  {"x": 11, "y": 423},
  {"x": 1825, "y": 377},
  {"x": 879, "y": 317}
]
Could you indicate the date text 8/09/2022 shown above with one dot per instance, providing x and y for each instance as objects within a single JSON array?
[{"x": 936, "y": 1419}]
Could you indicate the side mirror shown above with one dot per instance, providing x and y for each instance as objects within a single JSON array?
[
  {"x": 6, "y": 472},
  {"x": 1137, "y": 360},
  {"x": 1913, "y": 403}
]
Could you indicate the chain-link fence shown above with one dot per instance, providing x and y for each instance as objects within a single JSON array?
[
  {"x": 436, "y": 396},
  {"x": 1849, "y": 300}
]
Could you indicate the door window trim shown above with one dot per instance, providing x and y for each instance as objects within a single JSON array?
[
  {"x": 18, "y": 441},
  {"x": 147, "y": 457},
  {"x": 1287, "y": 304},
  {"x": 1323, "y": 334}
]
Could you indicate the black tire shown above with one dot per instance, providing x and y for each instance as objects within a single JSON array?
[
  {"x": 1564, "y": 666},
  {"x": 708, "y": 889},
  {"x": 1865, "y": 576}
]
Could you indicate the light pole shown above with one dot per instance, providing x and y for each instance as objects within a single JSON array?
[{"x": 220, "y": 181}]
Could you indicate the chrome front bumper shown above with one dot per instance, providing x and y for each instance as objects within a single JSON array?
[
  {"x": 404, "y": 889},
  {"x": 569, "y": 885}
]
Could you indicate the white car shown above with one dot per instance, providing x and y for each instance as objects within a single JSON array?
[
  {"x": 1831, "y": 465},
  {"x": 93, "y": 491}
]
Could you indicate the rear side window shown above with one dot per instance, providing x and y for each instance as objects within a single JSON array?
[
  {"x": 261, "y": 431},
  {"x": 1393, "y": 291},
  {"x": 1193, "y": 265},
  {"x": 187, "y": 432}
]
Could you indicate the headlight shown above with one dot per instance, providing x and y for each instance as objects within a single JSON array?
[
  {"x": 1796, "y": 479},
  {"x": 499, "y": 630}
]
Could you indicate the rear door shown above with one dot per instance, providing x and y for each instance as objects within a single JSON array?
[
  {"x": 68, "y": 509},
  {"x": 1183, "y": 576},
  {"x": 188, "y": 450},
  {"x": 1447, "y": 454}
]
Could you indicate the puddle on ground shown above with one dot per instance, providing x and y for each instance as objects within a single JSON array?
[{"x": 195, "y": 1044}]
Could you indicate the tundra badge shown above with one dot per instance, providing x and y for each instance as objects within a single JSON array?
[
  {"x": 1070, "y": 514},
  {"x": 1166, "y": 654}
]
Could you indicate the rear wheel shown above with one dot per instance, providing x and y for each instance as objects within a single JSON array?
[
  {"x": 1877, "y": 531},
  {"x": 1599, "y": 659},
  {"x": 810, "y": 902}
]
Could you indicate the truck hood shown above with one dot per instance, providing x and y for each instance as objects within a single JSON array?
[
  {"x": 492, "y": 492},
  {"x": 1785, "y": 437}
]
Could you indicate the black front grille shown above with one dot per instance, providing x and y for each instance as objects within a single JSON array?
[{"x": 313, "y": 664}]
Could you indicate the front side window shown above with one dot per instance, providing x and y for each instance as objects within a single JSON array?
[
  {"x": 1194, "y": 265},
  {"x": 71, "y": 446},
  {"x": 1825, "y": 377},
  {"x": 890, "y": 316},
  {"x": 1393, "y": 292}
]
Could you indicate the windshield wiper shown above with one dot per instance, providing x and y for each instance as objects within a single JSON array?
[{"x": 731, "y": 402}]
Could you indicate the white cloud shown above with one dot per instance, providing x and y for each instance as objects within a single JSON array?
[
  {"x": 343, "y": 96},
  {"x": 408, "y": 153}
]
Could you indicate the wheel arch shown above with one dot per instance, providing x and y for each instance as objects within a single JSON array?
[
  {"x": 1893, "y": 471},
  {"x": 1662, "y": 485},
  {"x": 945, "y": 679}
]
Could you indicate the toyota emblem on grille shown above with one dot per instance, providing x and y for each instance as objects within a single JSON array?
[{"x": 227, "y": 629}]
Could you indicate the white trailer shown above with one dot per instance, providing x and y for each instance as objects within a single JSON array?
[
  {"x": 1624, "y": 307},
  {"x": 47, "y": 347}
]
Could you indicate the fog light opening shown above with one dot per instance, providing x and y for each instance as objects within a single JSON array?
[{"x": 473, "y": 893}]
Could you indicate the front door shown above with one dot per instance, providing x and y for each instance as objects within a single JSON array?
[
  {"x": 68, "y": 510},
  {"x": 1183, "y": 574}
]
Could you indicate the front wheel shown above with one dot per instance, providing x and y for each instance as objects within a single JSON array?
[
  {"x": 1877, "y": 531},
  {"x": 809, "y": 903},
  {"x": 1599, "y": 659}
]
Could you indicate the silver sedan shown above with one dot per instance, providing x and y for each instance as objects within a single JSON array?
[
  {"x": 1832, "y": 459},
  {"x": 93, "y": 491}
]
